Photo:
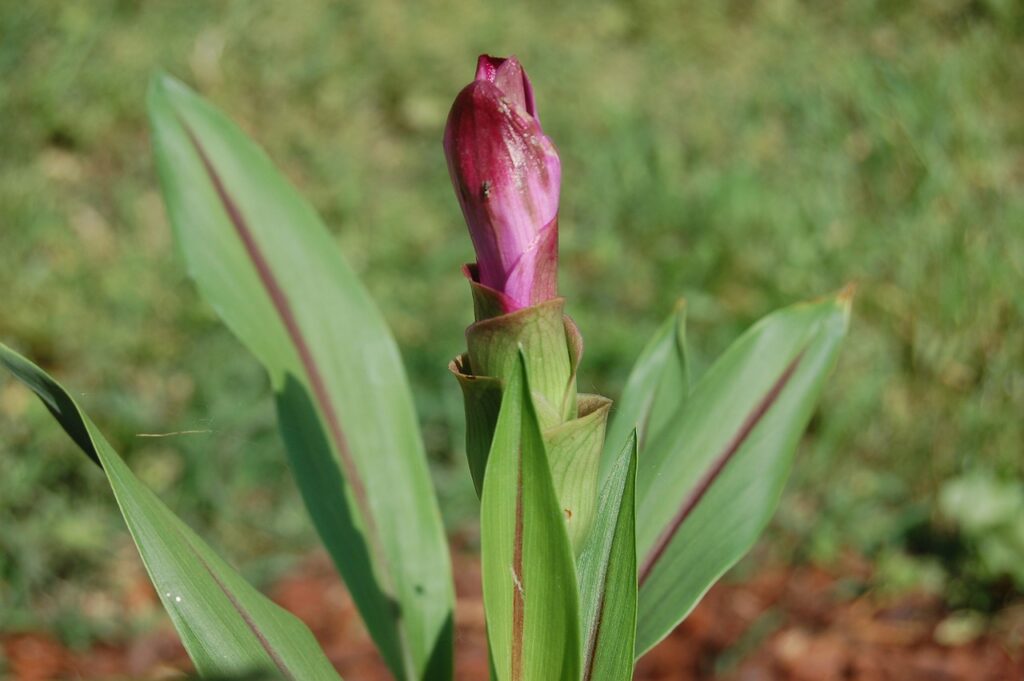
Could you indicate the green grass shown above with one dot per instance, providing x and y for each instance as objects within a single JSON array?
[{"x": 743, "y": 155}]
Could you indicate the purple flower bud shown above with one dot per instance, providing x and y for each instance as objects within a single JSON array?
[{"x": 507, "y": 176}]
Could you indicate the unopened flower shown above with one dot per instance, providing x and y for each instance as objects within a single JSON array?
[{"x": 507, "y": 176}]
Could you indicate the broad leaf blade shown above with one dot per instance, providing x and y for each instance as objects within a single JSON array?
[
  {"x": 227, "y": 627},
  {"x": 607, "y": 572},
  {"x": 655, "y": 391},
  {"x": 263, "y": 259},
  {"x": 708, "y": 484},
  {"x": 528, "y": 574}
]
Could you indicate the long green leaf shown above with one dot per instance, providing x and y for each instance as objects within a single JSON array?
[
  {"x": 528, "y": 574},
  {"x": 607, "y": 572},
  {"x": 655, "y": 391},
  {"x": 709, "y": 482},
  {"x": 262, "y": 258},
  {"x": 227, "y": 627}
]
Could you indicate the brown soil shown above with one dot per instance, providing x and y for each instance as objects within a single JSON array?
[{"x": 789, "y": 624}]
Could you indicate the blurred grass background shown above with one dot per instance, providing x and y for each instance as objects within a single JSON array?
[{"x": 742, "y": 154}]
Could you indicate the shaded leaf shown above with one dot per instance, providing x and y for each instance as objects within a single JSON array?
[{"x": 481, "y": 397}]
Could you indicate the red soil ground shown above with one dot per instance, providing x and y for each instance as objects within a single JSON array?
[{"x": 785, "y": 624}]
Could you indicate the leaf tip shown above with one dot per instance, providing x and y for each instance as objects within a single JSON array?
[
  {"x": 163, "y": 82},
  {"x": 847, "y": 293},
  {"x": 165, "y": 92},
  {"x": 844, "y": 299},
  {"x": 679, "y": 311},
  {"x": 159, "y": 83}
]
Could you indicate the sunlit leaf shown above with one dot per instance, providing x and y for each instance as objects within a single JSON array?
[
  {"x": 529, "y": 578},
  {"x": 228, "y": 628},
  {"x": 263, "y": 259},
  {"x": 710, "y": 480},
  {"x": 607, "y": 573},
  {"x": 655, "y": 391},
  {"x": 574, "y": 455}
]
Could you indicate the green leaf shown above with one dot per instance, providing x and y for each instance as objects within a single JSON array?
[
  {"x": 709, "y": 482},
  {"x": 263, "y": 259},
  {"x": 528, "y": 574},
  {"x": 607, "y": 571},
  {"x": 227, "y": 627},
  {"x": 655, "y": 391}
]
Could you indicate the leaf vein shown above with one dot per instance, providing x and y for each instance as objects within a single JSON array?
[{"x": 719, "y": 464}]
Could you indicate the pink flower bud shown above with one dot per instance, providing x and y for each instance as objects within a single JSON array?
[{"x": 507, "y": 176}]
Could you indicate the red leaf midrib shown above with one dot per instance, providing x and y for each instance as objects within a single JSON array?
[
  {"x": 719, "y": 464},
  {"x": 284, "y": 309}
]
